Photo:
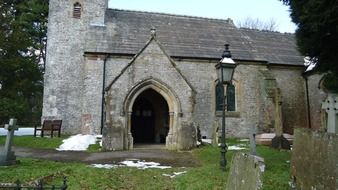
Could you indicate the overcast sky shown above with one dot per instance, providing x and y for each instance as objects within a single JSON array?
[{"x": 237, "y": 10}]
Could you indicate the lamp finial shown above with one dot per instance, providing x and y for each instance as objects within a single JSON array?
[{"x": 226, "y": 52}]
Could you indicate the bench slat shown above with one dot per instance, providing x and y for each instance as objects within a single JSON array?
[{"x": 49, "y": 125}]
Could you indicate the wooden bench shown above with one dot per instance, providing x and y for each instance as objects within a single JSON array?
[{"x": 49, "y": 125}]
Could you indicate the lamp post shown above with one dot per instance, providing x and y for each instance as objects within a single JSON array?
[{"x": 225, "y": 70}]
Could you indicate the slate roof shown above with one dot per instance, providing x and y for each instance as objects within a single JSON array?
[{"x": 126, "y": 32}]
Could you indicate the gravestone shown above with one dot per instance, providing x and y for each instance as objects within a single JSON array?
[
  {"x": 279, "y": 141},
  {"x": 314, "y": 163},
  {"x": 330, "y": 105},
  {"x": 7, "y": 156},
  {"x": 278, "y": 112},
  {"x": 215, "y": 135},
  {"x": 253, "y": 141},
  {"x": 246, "y": 172}
]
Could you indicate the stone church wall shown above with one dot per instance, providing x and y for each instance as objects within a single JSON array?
[
  {"x": 92, "y": 88},
  {"x": 294, "y": 105},
  {"x": 62, "y": 88},
  {"x": 91, "y": 96},
  {"x": 63, "y": 79},
  {"x": 73, "y": 81},
  {"x": 247, "y": 79},
  {"x": 249, "y": 97},
  {"x": 316, "y": 97},
  {"x": 202, "y": 76},
  {"x": 150, "y": 65}
]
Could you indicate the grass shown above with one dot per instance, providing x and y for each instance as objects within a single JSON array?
[
  {"x": 277, "y": 168},
  {"x": 44, "y": 143},
  {"x": 35, "y": 142},
  {"x": 94, "y": 147},
  {"x": 82, "y": 176}
]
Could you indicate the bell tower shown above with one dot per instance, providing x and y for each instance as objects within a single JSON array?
[{"x": 68, "y": 23}]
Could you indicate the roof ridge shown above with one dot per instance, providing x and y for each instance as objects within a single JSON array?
[
  {"x": 264, "y": 31},
  {"x": 228, "y": 20}
]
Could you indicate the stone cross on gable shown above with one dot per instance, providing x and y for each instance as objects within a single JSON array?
[
  {"x": 7, "y": 157},
  {"x": 330, "y": 105}
]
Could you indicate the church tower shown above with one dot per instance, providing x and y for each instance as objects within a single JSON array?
[{"x": 68, "y": 23}]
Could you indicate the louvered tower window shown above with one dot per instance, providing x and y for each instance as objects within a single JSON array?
[{"x": 77, "y": 10}]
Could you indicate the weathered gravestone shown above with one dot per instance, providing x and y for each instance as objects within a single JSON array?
[
  {"x": 330, "y": 105},
  {"x": 246, "y": 172},
  {"x": 279, "y": 141},
  {"x": 314, "y": 163},
  {"x": 253, "y": 141},
  {"x": 7, "y": 156}
]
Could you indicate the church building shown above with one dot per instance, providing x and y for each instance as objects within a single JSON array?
[{"x": 143, "y": 77}]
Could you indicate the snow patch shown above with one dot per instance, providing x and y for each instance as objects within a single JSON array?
[
  {"x": 262, "y": 167},
  {"x": 207, "y": 141},
  {"x": 77, "y": 143},
  {"x": 143, "y": 164},
  {"x": 135, "y": 163},
  {"x": 174, "y": 174},
  {"x": 234, "y": 147},
  {"x": 19, "y": 132},
  {"x": 310, "y": 63},
  {"x": 227, "y": 60},
  {"x": 244, "y": 140},
  {"x": 105, "y": 166},
  {"x": 99, "y": 138}
]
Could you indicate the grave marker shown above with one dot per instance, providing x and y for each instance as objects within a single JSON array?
[
  {"x": 330, "y": 105},
  {"x": 253, "y": 141},
  {"x": 7, "y": 156},
  {"x": 279, "y": 141}
]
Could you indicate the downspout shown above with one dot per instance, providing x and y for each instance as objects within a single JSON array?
[
  {"x": 307, "y": 100},
  {"x": 103, "y": 92}
]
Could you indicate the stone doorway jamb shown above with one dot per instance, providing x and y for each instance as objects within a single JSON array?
[{"x": 174, "y": 109}]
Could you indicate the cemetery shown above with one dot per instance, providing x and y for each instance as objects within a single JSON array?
[
  {"x": 202, "y": 162},
  {"x": 250, "y": 166},
  {"x": 124, "y": 99}
]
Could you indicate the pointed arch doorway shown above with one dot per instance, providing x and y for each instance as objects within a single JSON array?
[
  {"x": 156, "y": 93},
  {"x": 150, "y": 118}
]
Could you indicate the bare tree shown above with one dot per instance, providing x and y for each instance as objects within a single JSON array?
[{"x": 255, "y": 23}]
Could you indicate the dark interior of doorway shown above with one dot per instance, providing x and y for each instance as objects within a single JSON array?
[{"x": 150, "y": 118}]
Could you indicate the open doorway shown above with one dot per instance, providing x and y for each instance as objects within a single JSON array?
[{"x": 150, "y": 118}]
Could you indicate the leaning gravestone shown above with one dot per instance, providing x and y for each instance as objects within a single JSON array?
[{"x": 7, "y": 156}]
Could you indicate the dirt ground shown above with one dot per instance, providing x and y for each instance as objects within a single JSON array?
[{"x": 154, "y": 154}]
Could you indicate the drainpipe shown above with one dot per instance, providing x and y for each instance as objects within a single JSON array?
[
  {"x": 103, "y": 92},
  {"x": 307, "y": 100}
]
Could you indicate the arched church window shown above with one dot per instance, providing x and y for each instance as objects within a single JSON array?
[
  {"x": 77, "y": 10},
  {"x": 231, "y": 97},
  {"x": 219, "y": 98}
]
